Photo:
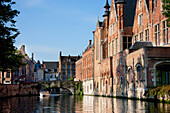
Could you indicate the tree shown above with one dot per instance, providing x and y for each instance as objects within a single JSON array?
[
  {"x": 10, "y": 59},
  {"x": 166, "y": 10}
]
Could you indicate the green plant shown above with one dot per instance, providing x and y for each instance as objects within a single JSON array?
[
  {"x": 70, "y": 79},
  {"x": 159, "y": 91}
]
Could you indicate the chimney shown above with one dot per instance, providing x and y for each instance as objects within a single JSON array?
[
  {"x": 60, "y": 53},
  {"x": 32, "y": 56},
  {"x": 90, "y": 42}
]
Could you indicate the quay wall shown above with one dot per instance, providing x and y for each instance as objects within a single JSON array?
[{"x": 12, "y": 90}]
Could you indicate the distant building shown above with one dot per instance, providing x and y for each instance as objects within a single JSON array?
[
  {"x": 24, "y": 73},
  {"x": 79, "y": 70},
  {"x": 39, "y": 72},
  {"x": 51, "y": 70},
  {"x": 7, "y": 77},
  {"x": 85, "y": 69},
  {"x": 67, "y": 66}
]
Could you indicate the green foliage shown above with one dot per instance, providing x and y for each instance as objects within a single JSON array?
[
  {"x": 9, "y": 56},
  {"x": 166, "y": 10},
  {"x": 79, "y": 88},
  {"x": 159, "y": 91},
  {"x": 70, "y": 79}
]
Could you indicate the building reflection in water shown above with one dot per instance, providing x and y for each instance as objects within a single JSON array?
[{"x": 79, "y": 104}]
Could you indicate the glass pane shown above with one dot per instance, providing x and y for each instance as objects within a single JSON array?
[
  {"x": 169, "y": 77},
  {"x": 163, "y": 77}
]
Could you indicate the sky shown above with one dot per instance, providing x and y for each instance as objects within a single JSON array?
[{"x": 50, "y": 26}]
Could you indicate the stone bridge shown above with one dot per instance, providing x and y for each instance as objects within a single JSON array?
[{"x": 71, "y": 86}]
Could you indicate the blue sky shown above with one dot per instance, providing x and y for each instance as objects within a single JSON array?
[{"x": 50, "y": 26}]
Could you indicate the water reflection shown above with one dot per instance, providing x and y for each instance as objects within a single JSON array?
[{"x": 77, "y": 104}]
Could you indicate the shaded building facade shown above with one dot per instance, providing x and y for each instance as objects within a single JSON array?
[
  {"x": 51, "y": 70},
  {"x": 67, "y": 66}
]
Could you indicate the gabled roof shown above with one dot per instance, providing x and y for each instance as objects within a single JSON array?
[
  {"x": 141, "y": 44},
  {"x": 51, "y": 65}
]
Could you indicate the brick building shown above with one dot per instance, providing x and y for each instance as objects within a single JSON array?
[
  {"x": 67, "y": 66},
  {"x": 131, "y": 48},
  {"x": 51, "y": 70},
  {"x": 7, "y": 77},
  {"x": 79, "y": 70},
  {"x": 25, "y": 73},
  {"x": 85, "y": 69}
]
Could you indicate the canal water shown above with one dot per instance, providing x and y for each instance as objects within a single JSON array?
[{"x": 79, "y": 104}]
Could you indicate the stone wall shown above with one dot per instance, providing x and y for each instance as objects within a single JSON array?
[{"x": 18, "y": 90}]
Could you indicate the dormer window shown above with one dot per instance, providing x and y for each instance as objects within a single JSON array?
[
  {"x": 140, "y": 19},
  {"x": 112, "y": 15},
  {"x": 140, "y": 4}
]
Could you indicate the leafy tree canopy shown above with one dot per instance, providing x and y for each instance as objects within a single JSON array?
[
  {"x": 166, "y": 10},
  {"x": 9, "y": 56}
]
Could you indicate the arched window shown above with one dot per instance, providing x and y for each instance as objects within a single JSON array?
[
  {"x": 121, "y": 80},
  {"x": 139, "y": 72},
  {"x": 163, "y": 74},
  {"x": 130, "y": 74}
]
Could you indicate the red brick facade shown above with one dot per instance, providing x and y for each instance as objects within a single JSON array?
[{"x": 131, "y": 49}]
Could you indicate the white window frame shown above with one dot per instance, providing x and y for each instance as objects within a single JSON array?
[
  {"x": 165, "y": 33},
  {"x": 157, "y": 34},
  {"x": 147, "y": 35},
  {"x": 140, "y": 4},
  {"x": 140, "y": 19}
]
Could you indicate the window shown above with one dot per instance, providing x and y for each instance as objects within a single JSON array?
[
  {"x": 114, "y": 81},
  {"x": 113, "y": 28},
  {"x": 110, "y": 30},
  {"x": 139, "y": 73},
  {"x": 147, "y": 35},
  {"x": 117, "y": 81},
  {"x": 97, "y": 48},
  {"x": 117, "y": 61},
  {"x": 121, "y": 60},
  {"x": 162, "y": 74},
  {"x": 121, "y": 80},
  {"x": 140, "y": 19},
  {"x": 109, "y": 49},
  {"x": 68, "y": 66},
  {"x": 64, "y": 67},
  {"x": 73, "y": 73},
  {"x": 113, "y": 47},
  {"x": 130, "y": 75},
  {"x": 141, "y": 36},
  {"x": 69, "y": 73},
  {"x": 112, "y": 15},
  {"x": 90, "y": 86},
  {"x": 64, "y": 73},
  {"x": 165, "y": 32},
  {"x": 140, "y": 4},
  {"x": 116, "y": 46},
  {"x": 110, "y": 46},
  {"x": 127, "y": 42},
  {"x": 155, "y": 3},
  {"x": 24, "y": 71},
  {"x": 68, "y": 60},
  {"x": 8, "y": 74},
  {"x": 136, "y": 38},
  {"x": 157, "y": 34},
  {"x": 73, "y": 66}
]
